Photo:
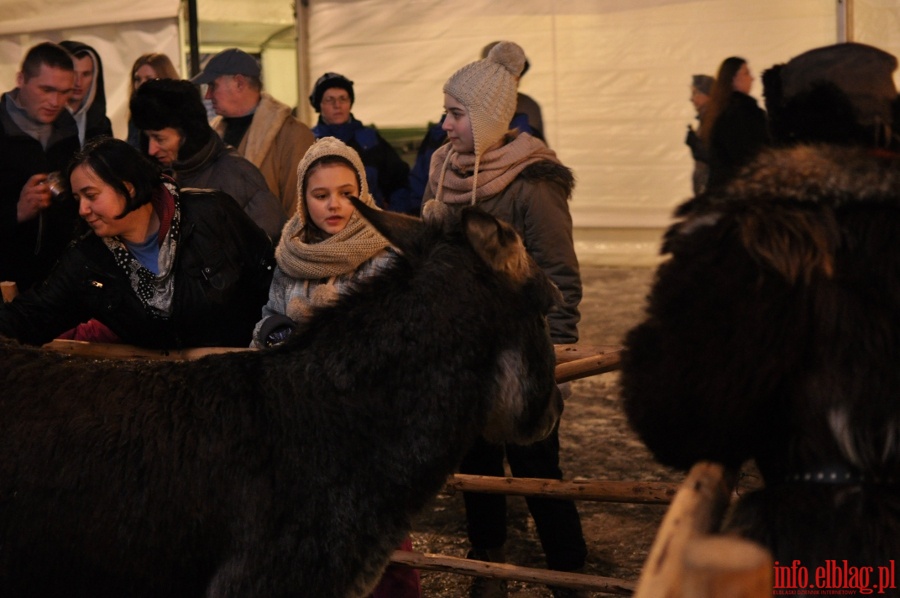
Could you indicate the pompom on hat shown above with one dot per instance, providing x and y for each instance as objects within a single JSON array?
[{"x": 488, "y": 88}]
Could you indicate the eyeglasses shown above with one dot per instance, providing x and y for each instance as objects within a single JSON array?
[{"x": 338, "y": 101}]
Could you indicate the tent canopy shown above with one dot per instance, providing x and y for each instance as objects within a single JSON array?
[{"x": 612, "y": 76}]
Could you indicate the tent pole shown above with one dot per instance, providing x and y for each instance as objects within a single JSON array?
[
  {"x": 844, "y": 21},
  {"x": 193, "y": 37},
  {"x": 304, "y": 112}
]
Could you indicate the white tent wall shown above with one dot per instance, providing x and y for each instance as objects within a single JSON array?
[
  {"x": 612, "y": 78},
  {"x": 611, "y": 75},
  {"x": 877, "y": 22},
  {"x": 119, "y": 32}
]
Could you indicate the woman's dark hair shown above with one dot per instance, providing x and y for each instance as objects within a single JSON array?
[
  {"x": 312, "y": 233},
  {"x": 720, "y": 95},
  {"x": 117, "y": 163}
]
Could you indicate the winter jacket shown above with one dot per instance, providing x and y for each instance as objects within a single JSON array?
[
  {"x": 218, "y": 166},
  {"x": 274, "y": 143},
  {"x": 738, "y": 134},
  {"x": 223, "y": 268},
  {"x": 29, "y": 249},
  {"x": 536, "y": 205},
  {"x": 387, "y": 173},
  {"x": 285, "y": 287}
]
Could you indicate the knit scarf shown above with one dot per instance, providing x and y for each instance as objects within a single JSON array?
[
  {"x": 155, "y": 292},
  {"x": 340, "y": 253},
  {"x": 466, "y": 178}
]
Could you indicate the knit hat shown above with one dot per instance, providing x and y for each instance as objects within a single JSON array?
[
  {"x": 702, "y": 83},
  {"x": 232, "y": 61},
  {"x": 326, "y": 82},
  {"x": 175, "y": 103},
  {"x": 487, "y": 88},
  {"x": 330, "y": 146}
]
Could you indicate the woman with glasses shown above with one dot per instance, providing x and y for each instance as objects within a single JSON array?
[{"x": 387, "y": 173}]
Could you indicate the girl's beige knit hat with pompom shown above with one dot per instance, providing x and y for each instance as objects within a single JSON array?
[{"x": 487, "y": 88}]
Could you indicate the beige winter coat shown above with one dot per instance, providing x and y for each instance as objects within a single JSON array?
[{"x": 275, "y": 143}]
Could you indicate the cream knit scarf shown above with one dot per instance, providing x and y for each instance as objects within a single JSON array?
[
  {"x": 338, "y": 254},
  {"x": 466, "y": 178}
]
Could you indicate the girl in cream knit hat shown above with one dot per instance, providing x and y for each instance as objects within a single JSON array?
[
  {"x": 325, "y": 245},
  {"x": 517, "y": 178}
]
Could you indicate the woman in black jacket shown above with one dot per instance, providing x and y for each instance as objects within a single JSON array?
[
  {"x": 734, "y": 128},
  {"x": 159, "y": 268}
]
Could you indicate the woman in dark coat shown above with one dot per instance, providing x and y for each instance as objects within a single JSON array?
[
  {"x": 160, "y": 268},
  {"x": 734, "y": 128}
]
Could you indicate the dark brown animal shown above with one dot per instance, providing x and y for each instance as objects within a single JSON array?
[
  {"x": 773, "y": 334},
  {"x": 293, "y": 471}
]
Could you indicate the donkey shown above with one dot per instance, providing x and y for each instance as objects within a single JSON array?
[
  {"x": 292, "y": 471},
  {"x": 773, "y": 333}
]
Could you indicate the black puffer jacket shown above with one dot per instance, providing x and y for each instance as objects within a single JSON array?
[{"x": 223, "y": 268}]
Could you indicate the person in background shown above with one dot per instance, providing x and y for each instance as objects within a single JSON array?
[
  {"x": 515, "y": 177},
  {"x": 172, "y": 116},
  {"x": 701, "y": 86},
  {"x": 158, "y": 266},
  {"x": 38, "y": 136},
  {"x": 146, "y": 68},
  {"x": 734, "y": 128},
  {"x": 261, "y": 128},
  {"x": 333, "y": 98},
  {"x": 87, "y": 104}
]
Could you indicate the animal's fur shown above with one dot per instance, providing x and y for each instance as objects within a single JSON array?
[
  {"x": 286, "y": 472},
  {"x": 773, "y": 333}
]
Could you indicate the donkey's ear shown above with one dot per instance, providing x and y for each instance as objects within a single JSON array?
[
  {"x": 404, "y": 232},
  {"x": 497, "y": 243}
]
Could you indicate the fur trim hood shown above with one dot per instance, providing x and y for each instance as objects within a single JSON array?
[
  {"x": 789, "y": 208},
  {"x": 823, "y": 174},
  {"x": 551, "y": 172}
]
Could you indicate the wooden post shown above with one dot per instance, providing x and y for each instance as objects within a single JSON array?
[
  {"x": 726, "y": 566},
  {"x": 9, "y": 290},
  {"x": 695, "y": 511}
]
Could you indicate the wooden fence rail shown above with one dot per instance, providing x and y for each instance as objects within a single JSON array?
[
  {"x": 654, "y": 493},
  {"x": 462, "y": 566}
]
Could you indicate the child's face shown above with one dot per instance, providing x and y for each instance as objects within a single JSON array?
[
  {"x": 328, "y": 188},
  {"x": 458, "y": 126}
]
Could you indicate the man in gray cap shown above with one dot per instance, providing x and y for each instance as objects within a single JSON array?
[{"x": 261, "y": 128}]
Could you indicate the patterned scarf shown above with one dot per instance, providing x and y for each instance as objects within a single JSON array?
[
  {"x": 466, "y": 178},
  {"x": 154, "y": 291}
]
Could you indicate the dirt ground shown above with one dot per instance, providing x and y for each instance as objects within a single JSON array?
[{"x": 596, "y": 444}]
